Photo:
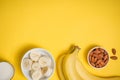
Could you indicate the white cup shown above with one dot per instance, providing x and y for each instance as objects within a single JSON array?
[{"x": 7, "y": 71}]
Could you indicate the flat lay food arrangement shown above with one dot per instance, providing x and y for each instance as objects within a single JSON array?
[{"x": 59, "y": 40}]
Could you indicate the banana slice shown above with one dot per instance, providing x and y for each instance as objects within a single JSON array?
[
  {"x": 36, "y": 75},
  {"x": 31, "y": 72},
  {"x": 44, "y": 70},
  {"x": 47, "y": 71},
  {"x": 35, "y": 66},
  {"x": 35, "y": 56},
  {"x": 44, "y": 61},
  {"x": 27, "y": 63}
]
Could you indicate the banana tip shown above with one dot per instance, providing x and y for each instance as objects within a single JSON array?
[{"x": 77, "y": 47}]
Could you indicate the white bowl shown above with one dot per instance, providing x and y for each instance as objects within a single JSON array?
[
  {"x": 89, "y": 54},
  {"x": 7, "y": 71},
  {"x": 41, "y": 51}
]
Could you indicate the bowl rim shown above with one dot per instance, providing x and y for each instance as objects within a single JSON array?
[{"x": 91, "y": 51}]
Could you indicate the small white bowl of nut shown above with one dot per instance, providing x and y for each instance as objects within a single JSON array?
[
  {"x": 98, "y": 57},
  {"x": 37, "y": 64}
]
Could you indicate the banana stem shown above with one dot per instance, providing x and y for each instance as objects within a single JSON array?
[{"x": 75, "y": 49}]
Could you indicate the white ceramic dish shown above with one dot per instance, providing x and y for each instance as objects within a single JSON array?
[
  {"x": 6, "y": 71},
  {"x": 41, "y": 51},
  {"x": 89, "y": 54}
]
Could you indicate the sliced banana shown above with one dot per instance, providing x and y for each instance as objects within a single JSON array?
[
  {"x": 35, "y": 56},
  {"x": 35, "y": 66},
  {"x": 48, "y": 72},
  {"x": 44, "y": 70},
  {"x": 44, "y": 61},
  {"x": 31, "y": 72},
  {"x": 27, "y": 63},
  {"x": 36, "y": 75},
  {"x": 38, "y": 65}
]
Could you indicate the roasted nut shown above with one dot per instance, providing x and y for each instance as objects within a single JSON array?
[
  {"x": 102, "y": 50},
  {"x": 98, "y": 57},
  {"x": 93, "y": 64},
  {"x": 102, "y": 63},
  {"x": 105, "y": 57},
  {"x": 114, "y": 57},
  {"x": 114, "y": 51},
  {"x": 93, "y": 60},
  {"x": 99, "y": 61}
]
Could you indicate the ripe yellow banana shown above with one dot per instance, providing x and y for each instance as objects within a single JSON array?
[
  {"x": 70, "y": 68},
  {"x": 68, "y": 65},
  {"x": 59, "y": 67},
  {"x": 86, "y": 75}
]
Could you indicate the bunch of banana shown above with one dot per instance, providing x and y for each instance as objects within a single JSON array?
[{"x": 69, "y": 67}]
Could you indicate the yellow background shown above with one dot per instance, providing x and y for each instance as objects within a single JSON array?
[{"x": 55, "y": 25}]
